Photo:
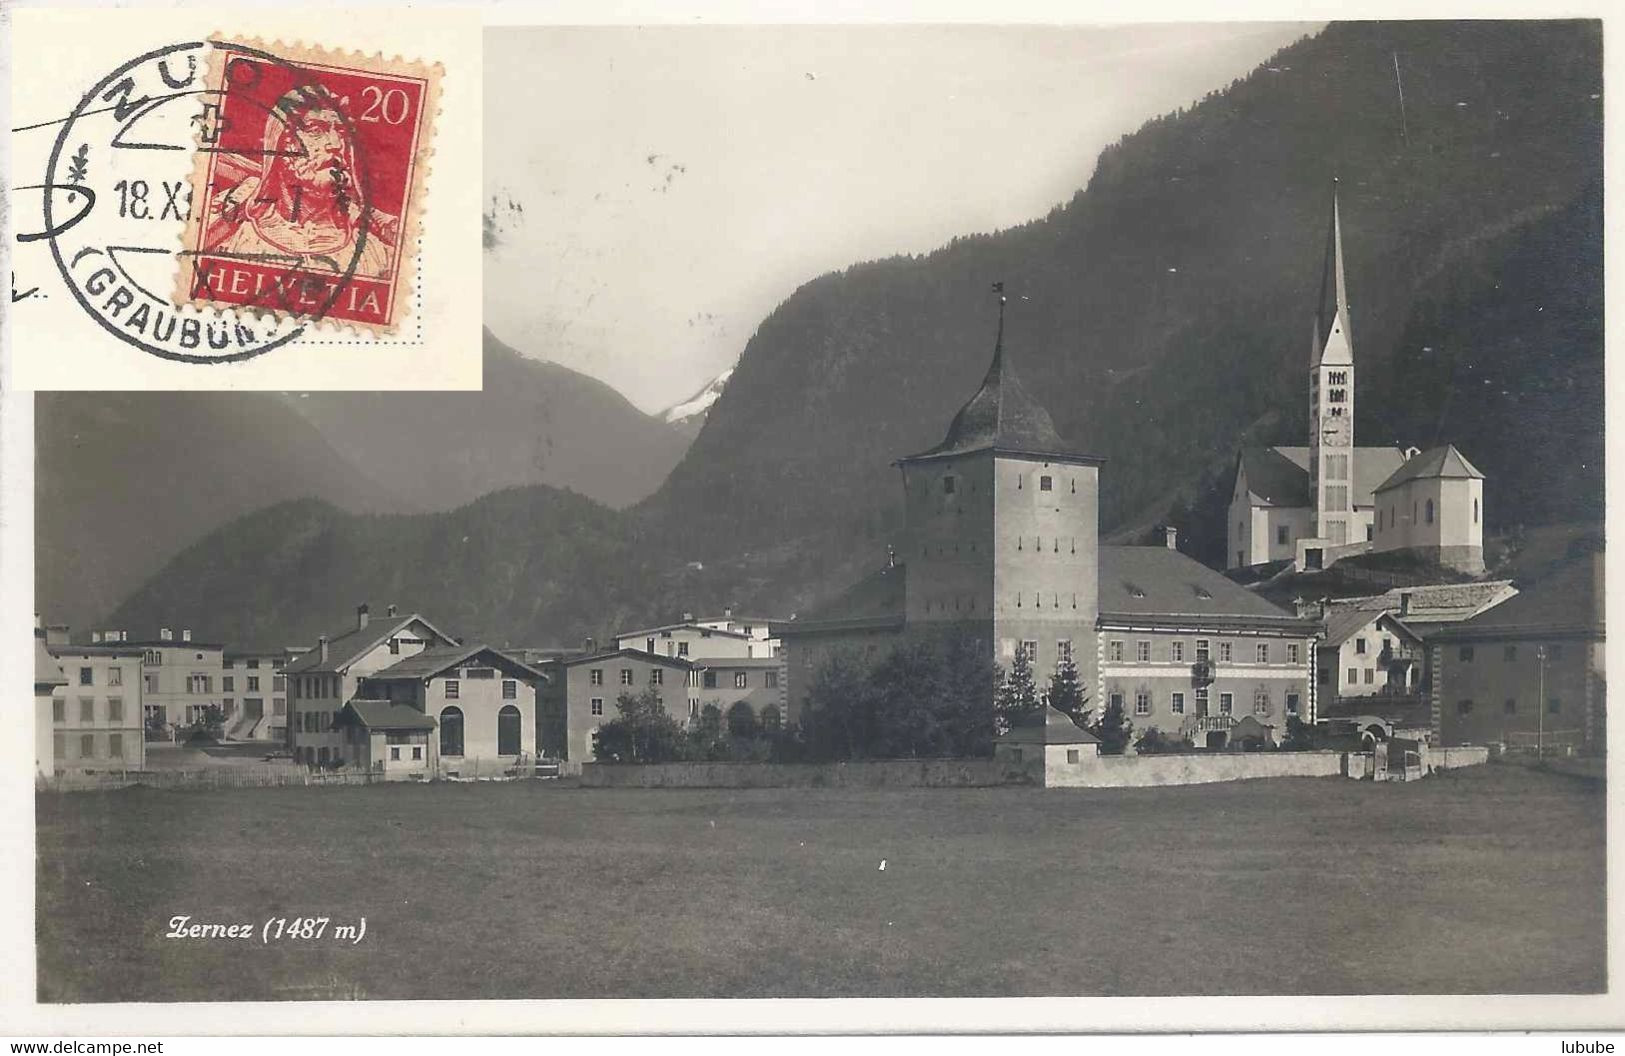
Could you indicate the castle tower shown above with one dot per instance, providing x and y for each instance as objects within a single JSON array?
[
  {"x": 1331, "y": 398},
  {"x": 1002, "y": 529}
]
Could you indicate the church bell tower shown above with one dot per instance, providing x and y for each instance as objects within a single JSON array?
[{"x": 1331, "y": 398}]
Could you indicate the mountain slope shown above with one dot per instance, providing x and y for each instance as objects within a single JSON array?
[
  {"x": 534, "y": 422},
  {"x": 689, "y": 416},
  {"x": 1164, "y": 312}
]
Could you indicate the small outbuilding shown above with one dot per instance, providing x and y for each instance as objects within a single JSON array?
[
  {"x": 386, "y": 738},
  {"x": 1046, "y": 745}
]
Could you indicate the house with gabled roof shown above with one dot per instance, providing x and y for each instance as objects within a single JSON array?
[
  {"x": 1434, "y": 505},
  {"x": 581, "y": 691},
  {"x": 320, "y": 681},
  {"x": 483, "y": 703}
]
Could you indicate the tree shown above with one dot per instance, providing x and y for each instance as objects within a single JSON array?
[
  {"x": 1066, "y": 693},
  {"x": 1114, "y": 728},
  {"x": 643, "y": 733},
  {"x": 741, "y": 721},
  {"x": 1300, "y": 735},
  {"x": 1018, "y": 694}
]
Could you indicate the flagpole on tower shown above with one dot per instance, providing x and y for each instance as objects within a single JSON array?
[{"x": 998, "y": 288}]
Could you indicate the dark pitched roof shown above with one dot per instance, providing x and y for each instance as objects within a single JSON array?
[
  {"x": 382, "y": 715},
  {"x": 1435, "y": 602},
  {"x": 1002, "y": 416},
  {"x": 1280, "y": 475},
  {"x": 1055, "y": 728},
  {"x": 877, "y": 600},
  {"x": 686, "y": 625},
  {"x": 349, "y": 647},
  {"x": 1345, "y": 621},
  {"x": 47, "y": 672},
  {"x": 1567, "y": 600},
  {"x": 1443, "y": 461},
  {"x": 631, "y": 654},
  {"x": 1157, "y": 581},
  {"x": 436, "y": 659}
]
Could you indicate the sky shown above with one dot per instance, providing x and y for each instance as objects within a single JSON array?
[{"x": 654, "y": 192}]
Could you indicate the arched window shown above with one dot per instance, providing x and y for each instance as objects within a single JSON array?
[
  {"x": 770, "y": 717},
  {"x": 1475, "y": 511},
  {"x": 741, "y": 720},
  {"x": 509, "y": 730},
  {"x": 1430, "y": 511},
  {"x": 451, "y": 731}
]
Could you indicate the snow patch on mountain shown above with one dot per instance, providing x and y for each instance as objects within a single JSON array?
[{"x": 693, "y": 409}]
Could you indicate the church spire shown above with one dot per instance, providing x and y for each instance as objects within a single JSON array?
[{"x": 1334, "y": 344}]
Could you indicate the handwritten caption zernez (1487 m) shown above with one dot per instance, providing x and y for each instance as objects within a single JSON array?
[{"x": 274, "y": 929}]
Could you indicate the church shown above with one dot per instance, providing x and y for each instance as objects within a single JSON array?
[
  {"x": 1313, "y": 505},
  {"x": 1001, "y": 547}
]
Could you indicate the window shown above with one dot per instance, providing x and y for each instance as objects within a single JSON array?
[
  {"x": 1337, "y": 377},
  {"x": 1063, "y": 650},
  {"x": 1114, "y": 651},
  {"x": 1292, "y": 653},
  {"x": 394, "y": 753},
  {"x": 1142, "y": 651},
  {"x": 1369, "y": 533},
  {"x": 453, "y": 689},
  {"x": 1466, "y": 653},
  {"x": 1359, "y": 646},
  {"x": 59, "y": 711},
  {"x": 199, "y": 684},
  {"x": 770, "y": 718},
  {"x": 1227, "y": 702},
  {"x": 394, "y": 647},
  {"x": 648, "y": 645},
  {"x": 87, "y": 746},
  {"x": 1337, "y": 467},
  {"x": 596, "y": 676},
  {"x": 1475, "y": 511},
  {"x": 115, "y": 676},
  {"x": 1030, "y": 647},
  {"x": 451, "y": 731},
  {"x": 1201, "y": 648},
  {"x": 510, "y": 689},
  {"x": 709, "y": 680},
  {"x": 510, "y": 730},
  {"x": 1224, "y": 652},
  {"x": 598, "y": 705},
  {"x": 1261, "y": 702},
  {"x": 152, "y": 657},
  {"x": 1176, "y": 703},
  {"x": 1554, "y": 705},
  {"x": 1071, "y": 755},
  {"x": 1370, "y": 675},
  {"x": 1337, "y": 498},
  {"x": 771, "y": 680},
  {"x": 1046, "y": 484},
  {"x": 86, "y": 676},
  {"x": 115, "y": 746},
  {"x": 1511, "y": 706},
  {"x": 1283, "y": 535},
  {"x": 228, "y": 684},
  {"x": 948, "y": 484},
  {"x": 1510, "y": 653},
  {"x": 1292, "y": 703},
  {"x": 1142, "y": 703},
  {"x": 417, "y": 752},
  {"x": 1117, "y": 701},
  {"x": 1464, "y": 707},
  {"x": 1201, "y": 700},
  {"x": 682, "y": 648},
  {"x": 626, "y": 676},
  {"x": 1354, "y": 676},
  {"x": 1176, "y": 651},
  {"x": 1429, "y": 509},
  {"x": 87, "y": 709},
  {"x": 657, "y": 676},
  {"x": 279, "y": 705},
  {"x": 59, "y": 745},
  {"x": 1263, "y": 652},
  {"x": 253, "y": 683},
  {"x": 115, "y": 709}
]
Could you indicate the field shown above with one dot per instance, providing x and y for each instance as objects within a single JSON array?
[{"x": 1483, "y": 880}]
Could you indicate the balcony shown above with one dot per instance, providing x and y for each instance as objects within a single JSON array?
[
  {"x": 1202, "y": 672},
  {"x": 1214, "y": 723},
  {"x": 1398, "y": 653}
]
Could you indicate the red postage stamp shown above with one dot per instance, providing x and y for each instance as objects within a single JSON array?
[{"x": 308, "y": 184}]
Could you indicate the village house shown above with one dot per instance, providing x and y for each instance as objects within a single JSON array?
[
  {"x": 746, "y": 691},
  {"x": 180, "y": 676},
  {"x": 321, "y": 681},
  {"x": 48, "y": 678},
  {"x": 97, "y": 717},
  {"x": 1529, "y": 670},
  {"x": 254, "y": 693},
  {"x": 580, "y": 694},
  {"x": 688, "y": 640}
]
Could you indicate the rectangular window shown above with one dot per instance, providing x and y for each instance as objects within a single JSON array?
[
  {"x": 115, "y": 709},
  {"x": 1292, "y": 654},
  {"x": 596, "y": 676},
  {"x": 453, "y": 688},
  {"x": 279, "y": 683},
  {"x": 1071, "y": 755},
  {"x": 1030, "y": 647},
  {"x": 1114, "y": 651},
  {"x": 152, "y": 657},
  {"x": 115, "y": 676},
  {"x": 1283, "y": 535},
  {"x": 1292, "y": 702},
  {"x": 1224, "y": 652},
  {"x": 1325, "y": 676},
  {"x": 417, "y": 751},
  {"x": 1142, "y": 703},
  {"x": 253, "y": 683},
  {"x": 59, "y": 711},
  {"x": 1354, "y": 676},
  {"x": 741, "y": 680},
  {"x": 228, "y": 684},
  {"x": 279, "y": 705},
  {"x": 1142, "y": 652},
  {"x": 87, "y": 709},
  {"x": 115, "y": 746},
  {"x": 1176, "y": 651},
  {"x": 394, "y": 647},
  {"x": 1554, "y": 705},
  {"x": 1176, "y": 703},
  {"x": 87, "y": 676},
  {"x": 1337, "y": 498},
  {"x": 682, "y": 648},
  {"x": 59, "y": 745},
  {"x": 1201, "y": 648},
  {"x": 150, "y": 683},
  {"x": 1370, "y": 675},
  {"x": 1464, "y": 707},
  {"x": 657, "y": 676},
  {"x": 598, "y": 705},
  {"x": 510, "y": 689},
  {"x": 87, "y": 746},
  {"x": 709, "y": 681},
  {"x": 1227, "y": 702},
  {"x": 1261, "y": 702},
  {"x": 1046, "y": 484},
  {"x": 1117, "y": 701},
  {"x": 254, "y": 665},
  {"x": 199, "y": 684},
  {"x": 948, "y": 484},
  {"x": 626, "y": 676},
  {"x": 394, "y": 753},
  {"x": 1063, "y": 650},
  {"x": 771, "y": 680},
  {"x": 1466, "y": 653},
  {"x": 1201, "y": 700},
  {"x": 1359, "y": 646},
  {"x": 1263, "y": 652},
  {"x": 1337, "y": 467}
]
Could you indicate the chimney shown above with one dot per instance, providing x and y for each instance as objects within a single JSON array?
[
  {"x": 688, "y": 617},
  {"x": 1405, "y": 603},
  {"x": 165, "y": 634},
  {"x": 1412, "y": 452},
  {"x": 391, "y": 611},
  {"x": 361, "y": 616},
  {"x": 186, "y": 635},
  {"x": 727, "y": 614},
  {"x": 588, "y": 644},
  {"x": 1170, "y": 537},
  {"x": 321, "y": 648}
]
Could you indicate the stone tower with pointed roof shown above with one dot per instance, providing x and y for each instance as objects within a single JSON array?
[
  {"x": 1331, "y": 399},
  {"x": 1002, "y": 529}
]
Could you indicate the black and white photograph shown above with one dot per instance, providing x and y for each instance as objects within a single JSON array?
[{"x": 953, "y": 511}]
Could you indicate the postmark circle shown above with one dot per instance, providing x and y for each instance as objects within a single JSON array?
[{"x": 117, "y": 151}]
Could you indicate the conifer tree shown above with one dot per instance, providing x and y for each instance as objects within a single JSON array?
[
  {"x": 1066, "y": 693},
  {"x": 1018, "y": 694}
]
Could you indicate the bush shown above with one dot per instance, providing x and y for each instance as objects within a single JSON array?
[{"x": 1154, "y": 742}]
